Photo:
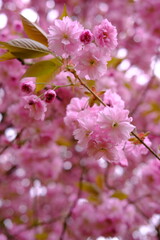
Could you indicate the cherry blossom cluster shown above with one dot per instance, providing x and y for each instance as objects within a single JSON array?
[
  {"x": 70, "y": 168},
  {"x": 89, "y": 51},
  {"x": 101, "y": 131}
]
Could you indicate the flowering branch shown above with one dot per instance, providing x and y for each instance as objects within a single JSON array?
[{"x": 101, "y": 101}]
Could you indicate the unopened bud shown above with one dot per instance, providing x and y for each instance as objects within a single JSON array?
[
  {"x": 49, "y": 96},
  {"x": 86, "y": 36},
  {"x": 28, "y": 87}
]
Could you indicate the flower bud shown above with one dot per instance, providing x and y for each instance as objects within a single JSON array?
[
  {"x": 86, "y": 36},
  {"x": 49, "y": 96},
  {"x": 28, "y": 87}
]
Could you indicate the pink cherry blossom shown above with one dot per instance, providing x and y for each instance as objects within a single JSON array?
[
  {"x": 113, "y": 99},
  {"x": 64, "y": 36},
  {"x": 72, "y": 174},
  {"x": 91, "y": 61},
  {"x": 76, "y": 105},
  {"x": 115, "y": 120},
  {"x": 86, "y": 124},
  {"x": 105, "y": 35},
  {"x": 36, "y": 107}
]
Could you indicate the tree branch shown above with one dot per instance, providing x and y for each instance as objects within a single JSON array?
[
  {"x": 101, "y": 101},
  {"x": 69, "y": 214}
]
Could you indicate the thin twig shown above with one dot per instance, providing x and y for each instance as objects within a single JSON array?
[
  {"x": 10, "y": 144},
  {"x": 83, "y": 84},
  {"x": 135, "y": 135},
  {"x": 144, "y": 91},
  {"x": 101, "y": 101},
  {"x": 69, "y": 214}
]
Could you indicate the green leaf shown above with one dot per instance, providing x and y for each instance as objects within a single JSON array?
[
  {"x": 45, "y": 67},
  {"x": 114, "y": 62},
  {"x": 94, "y": 199},
  {"x": 90, "y": 188},
  {"x": 120, "y": 195},
  {"x": 41, "y": 236},
  {"x": 6, "y": 56},
  {"x": 25, "y": 48},
  {"x": 34, "y": 32},
  {"x": 63, "y": 141},
  {"x": 44, "y": 80},
  {"x": 90, "y": 83},
  {"x": 100, "y": 181},
  {"x": 64, "y": 13},
  {"x": 44, "y": 71}
]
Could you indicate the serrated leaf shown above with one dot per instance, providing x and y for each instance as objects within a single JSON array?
[
  {"x": 25, "y": 48},
  {"x": 6, "y": 56},
  {"x": 34, "y": 32},
  {"x": 41, "y": 236},
  {"x": 100, "y": 181},
  {"x": 90, "y": 188},
  {"x": 45, "y": 67},
  {"x": 94, "y": 199},
  {"x": 120, "y": 195},
  {"x": 90, "y": 83},
  {"x": 44, "y": 80},
  {"x": 44, "y": 71},
  {"x": 141, "y": 135},
  {"x": 114, "y": 62},
  {"x": 62, "y": 141},
  {"x": 128, "y": 85},
  {"x": 64, "y": 13}
]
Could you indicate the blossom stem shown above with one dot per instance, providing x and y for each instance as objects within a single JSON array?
[
  {"x": 101, "y": 101},
  {"x": 83, "y": 84},
  {"x": 55, "y": 88},
  {"x": 135, "y": 135},
  {"x": 65, "y": 223},
  {"x": 59, "y": 86}
]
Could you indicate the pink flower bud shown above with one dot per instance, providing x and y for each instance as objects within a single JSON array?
[
  {"x": 86, "y": 36},
  {"x": 49, "y": 96},
  {"x": 28, "y": 87}
]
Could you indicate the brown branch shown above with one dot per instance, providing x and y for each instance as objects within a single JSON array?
[
  {"x": 144, "y": 91},
  {"x": 101, "y": 101},
  {"x": 142, "y": 96},
  {"x": 69, "y": 214},
  {"x": 10, "y": 144},
  {"x": 135, "y": 135}
]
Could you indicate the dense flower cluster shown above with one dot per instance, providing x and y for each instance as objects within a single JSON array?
[
  {"x": 102, "y": 131},
  {"x": 78, "y": 123}
]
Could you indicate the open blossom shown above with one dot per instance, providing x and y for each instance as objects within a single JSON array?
[
  {"x": 112, "y": 99},
  {"x": 76, "y": 105},
  {"x": 115, "y": 120},
  {"x": 91, "y": 61},
  {"x": 136, "y": 148},
  {"x": 105, "y": 35},
  {"x": 36, "y": 107},
  {"x": 106, "y": 150},
  {"x": 64, "y": 37},
  {"x": 86, "y": 125}
]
